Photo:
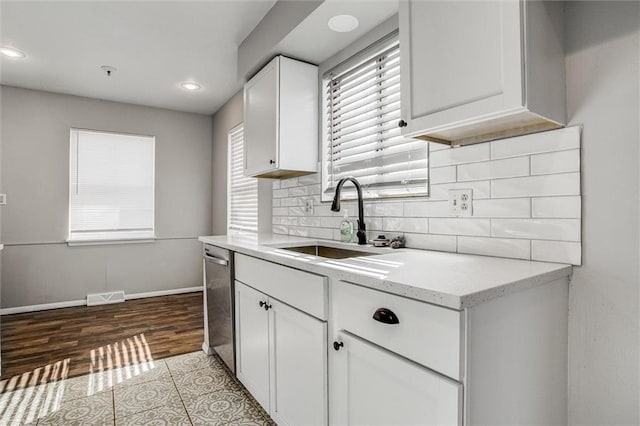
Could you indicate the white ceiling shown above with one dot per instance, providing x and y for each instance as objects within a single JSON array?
[
  {"x": 304, "y": 41},
  {"x": 154, "y": 45}
]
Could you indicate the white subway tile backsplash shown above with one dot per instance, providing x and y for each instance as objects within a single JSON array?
[
  {"x": 556, "y": 251},
  {"x": 309, "y": 179},
  {"x": 460, "y": 226},
  {"x": 280, "y": 193},
  {"x": 526, "y": 196},
  {"x": 460, "y": 155},
  {"x": 288, "y": 183},
  {"x": 405, "y": 224},
  {"x": 481, "y": 189},
  {"x": 276, "y": 184},
  {"x": 556, "y": 140},
  {"x": 288, "y": 202},
  {"x": 298, "y": 191},
  {"x": 501, "y": 247},
  {"x": 280, "y": 211},
  {"x": 537, "y": 186},
  {"x": 309, "y": 221},
  {"x": 442, "y": 174},
  {"x": 280, "y": 229},
  {"x": 431, "y": 242},
  {"x": 426, "y": 209},
  {"x": 325, "y": 234},
  {"x": 556, "y": 162},
  {"x": 556, "y": 207},
  {"x": 299, "y": 231},
  {"x": 383, "y": 209},
  {"x": 297, "y": 211},
  {"x": 511, "y": 167},
  {"x": 539, "y": 229},
  {"x": 505, "y": 207},
  {"x": 332, "y": 222},
  {"x": 372, "y": 224}
]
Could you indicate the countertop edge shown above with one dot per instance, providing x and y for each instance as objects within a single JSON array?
[{"x": 435, "y": 297}]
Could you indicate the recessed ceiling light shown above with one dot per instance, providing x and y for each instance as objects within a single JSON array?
[
  {"x": 11, "y": 52},
  {"x": 190, "y": 85},
  {"x": 343, "y": 23}
]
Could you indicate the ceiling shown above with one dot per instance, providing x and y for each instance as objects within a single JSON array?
[{"x": 156, "y": 45}]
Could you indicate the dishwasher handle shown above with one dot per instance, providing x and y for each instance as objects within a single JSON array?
[{"x": 216, "y": 260}]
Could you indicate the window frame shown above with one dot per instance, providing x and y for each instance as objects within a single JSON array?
[
  {"x": 230, "y": 133},
  {"x": 326, "y": 194},
  {"x": 110, "y": 237}
]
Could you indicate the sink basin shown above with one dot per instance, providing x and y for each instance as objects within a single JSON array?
[{"x": 329, "y": 252}]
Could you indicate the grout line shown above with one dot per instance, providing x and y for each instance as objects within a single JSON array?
[{"x": 178, "y": 392}]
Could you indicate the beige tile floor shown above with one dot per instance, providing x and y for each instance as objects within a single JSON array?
[{"x": 190, "y": 389}]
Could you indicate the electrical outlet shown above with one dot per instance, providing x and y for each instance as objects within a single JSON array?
[
  {"x": 461, "y": 202},
  {"x": 308, "y": 206}
]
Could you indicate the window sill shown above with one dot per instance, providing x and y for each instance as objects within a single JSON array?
[{"x": 103, "y": 242}]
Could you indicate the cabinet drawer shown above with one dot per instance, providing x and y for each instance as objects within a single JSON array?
[
  {"x": 426, "y": 334},
  {"x": 302, "y": 290}
]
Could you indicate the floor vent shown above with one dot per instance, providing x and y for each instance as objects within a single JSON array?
[{"x": 105, "y": 298}]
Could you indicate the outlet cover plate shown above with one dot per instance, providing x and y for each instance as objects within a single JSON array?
[{"x": 461, "y": 202}]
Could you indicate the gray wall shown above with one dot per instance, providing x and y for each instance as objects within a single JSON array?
[
  {"x": 602, "y": 47},
  {"x": 38, "y": 265},
  {"x": 225, "y": 119}
]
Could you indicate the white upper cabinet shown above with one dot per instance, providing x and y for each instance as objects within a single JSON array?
[
  {"x": 281, "y": 120},
  {"x": 474, "y": 71}
]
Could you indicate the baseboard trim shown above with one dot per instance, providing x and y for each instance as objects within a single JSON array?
[
  {"x": 206, "y": 349},
  {"x": 83, "y": 302},
  {"x": 42, "y": 307},
  {"x": 162, "y": 292}
]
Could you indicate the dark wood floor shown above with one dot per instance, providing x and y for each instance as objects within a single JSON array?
[{"x": 47, "y": 345}]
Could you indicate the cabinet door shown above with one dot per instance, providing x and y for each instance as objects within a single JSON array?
[
  {"x": 252, "y": 342},
  {"x": 460, "y": 60},
  {"x": 298, "y": 367},
  {"x": 372, "y": 386},
  {"x": 261, "y": 100}
]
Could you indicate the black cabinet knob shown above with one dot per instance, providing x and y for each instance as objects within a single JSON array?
[
  {"x": 272, "y": 161},
  {"x": 385, "y": 316},
  {"x": 337, "y": 345},
  {"x": 402, "y": 123},
  {"x": 262, "y": 304}
]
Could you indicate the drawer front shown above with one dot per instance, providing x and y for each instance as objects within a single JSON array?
[
  {"x": 302, "y": 290},
  {"x": 426, "y": 334}
]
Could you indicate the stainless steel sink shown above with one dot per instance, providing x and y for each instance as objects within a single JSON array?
[{"x": 329, "y": 252}]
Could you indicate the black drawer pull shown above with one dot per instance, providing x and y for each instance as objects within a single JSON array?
[
  {"x": 385, "y": 316},
  {"x": 337, "y": 345}
]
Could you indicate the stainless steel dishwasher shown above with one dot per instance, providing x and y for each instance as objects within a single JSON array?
[{"x": 218, "y": 304}]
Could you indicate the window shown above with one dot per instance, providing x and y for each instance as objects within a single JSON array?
[
  {"x": 111, "y": 186},
  {"x": 362, "y": 137},
  {"x": 242, "y": 198}
]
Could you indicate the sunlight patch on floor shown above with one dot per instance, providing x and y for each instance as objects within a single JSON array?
[{"x": 35, "y": 394}]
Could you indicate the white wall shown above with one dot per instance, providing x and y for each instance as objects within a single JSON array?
[
  {"x": 38, "y": 266},
  {"x": 602, "y": 58},
  {"x": 225, "y": 119}
]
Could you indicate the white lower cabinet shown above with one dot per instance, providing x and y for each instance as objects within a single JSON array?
[
  {"x": 281, "y": 358},
  {"x": 372, "y": 386},
  {"x": 252, "y": 342}
]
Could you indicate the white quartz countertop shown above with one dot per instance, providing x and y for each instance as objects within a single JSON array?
[{"x": 452, "y": 280}]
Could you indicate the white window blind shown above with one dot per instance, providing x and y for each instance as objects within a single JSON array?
[
  {"x": 111, "y": 186},
  {"x": 242, "y": 210},
  {"x": 362, "y": 137}
]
